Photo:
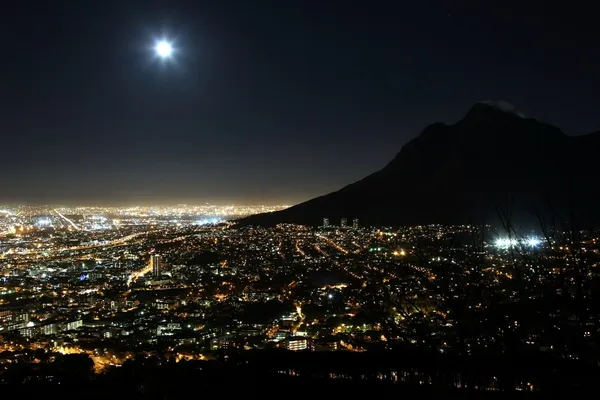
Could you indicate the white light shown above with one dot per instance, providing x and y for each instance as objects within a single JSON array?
[
  {"x": 163, "y": 49},
  {"x": 506, "y": 243}
]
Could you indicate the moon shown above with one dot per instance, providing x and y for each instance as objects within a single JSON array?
[{"x": 163, "y": 49}]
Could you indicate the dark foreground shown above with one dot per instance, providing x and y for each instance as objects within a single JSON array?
[
  {"x": 267, "y": 375},
  {"x": 267, "y": 388}
]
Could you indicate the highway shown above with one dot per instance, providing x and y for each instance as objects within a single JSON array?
[
  {"x": 317, "y": 248},
  {"x": 301, "y": 321},
  {"x": 299, "y": 250},
  {"x": 135, "y": 275},
  {"x": 49, "y": 253},
  {"x": 68, "y": 220}
]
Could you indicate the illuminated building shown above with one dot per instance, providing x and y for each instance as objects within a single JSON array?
[
  {"x": 296, "y": 344},
  {"x": 223, "y": 343},
  {"x": 344, "y": 223},
  {"x": 74, "y": 324},
  {"x": 155, "y": 263},
  {"x": 325, "y": 222},
  {"x": 49, "y": 329},
  {"x": 355, "y": 223}
]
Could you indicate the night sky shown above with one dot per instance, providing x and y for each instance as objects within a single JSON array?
[{"x": 264, "y": 101}]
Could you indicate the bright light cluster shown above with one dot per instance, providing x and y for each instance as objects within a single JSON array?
[
  {"x": 506, "y": 243},
  {"x": 43, "y": 222},
  {"x": 533, "y": 242},
  {"x": 209, "y": 221}
]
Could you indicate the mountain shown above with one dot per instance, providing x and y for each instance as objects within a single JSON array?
[{"x": 492, "y": 162}]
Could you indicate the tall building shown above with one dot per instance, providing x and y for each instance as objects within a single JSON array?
[
  {"x": 155, "y": 263},
  {"x": 325, "y": 222},
  {"x": 344, "y": 223},
  {"x": 355, "y": 223}
]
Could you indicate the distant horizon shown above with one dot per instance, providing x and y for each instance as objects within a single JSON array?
[
  {"x": 252, "y": 197},
  {"x": 270, "y": 197},
  {"x": 133, "y": 205}
]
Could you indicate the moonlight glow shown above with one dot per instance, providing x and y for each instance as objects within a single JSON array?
[{"x": 163, "y": 49}]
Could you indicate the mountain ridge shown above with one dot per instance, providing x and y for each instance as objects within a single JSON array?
[{"x": 463, "y": 173}]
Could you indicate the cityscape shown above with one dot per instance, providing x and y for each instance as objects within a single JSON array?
[
  {"x": 299, "y": 199},
  {"x": 191, "y": 283}
]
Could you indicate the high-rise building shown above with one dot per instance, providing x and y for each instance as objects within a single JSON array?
[
  {"x": 344, "y": 223},
  {"x": 155, "y": 263},
  {"x": 325, "y": 222},
  {"x": 355, "y": 223}
]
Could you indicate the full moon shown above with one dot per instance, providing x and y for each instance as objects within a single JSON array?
[{"x": 163, "y": 49}]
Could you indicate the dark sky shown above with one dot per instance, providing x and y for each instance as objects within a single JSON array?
[{"x": 265, "y": 101}]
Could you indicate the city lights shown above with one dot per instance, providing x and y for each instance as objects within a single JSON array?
[{"x": 199, "y": 281}]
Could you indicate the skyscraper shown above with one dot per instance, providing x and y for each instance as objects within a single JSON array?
[
  {"x": 355, "y": 223},
  {"x": 344, "y": 223},
  {"x": 325, "y": 222},
  {"x": 155, "y": 263}
]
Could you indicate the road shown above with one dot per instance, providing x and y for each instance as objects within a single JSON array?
[
  {"x": 135, "y": 275},
  {"x": 299, "y": 250},
  {"x": 68, "y": 220},
  {"x": 49, "y": 253}
]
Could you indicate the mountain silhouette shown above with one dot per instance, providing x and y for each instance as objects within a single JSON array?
[{"x": 493, "y": 164}]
